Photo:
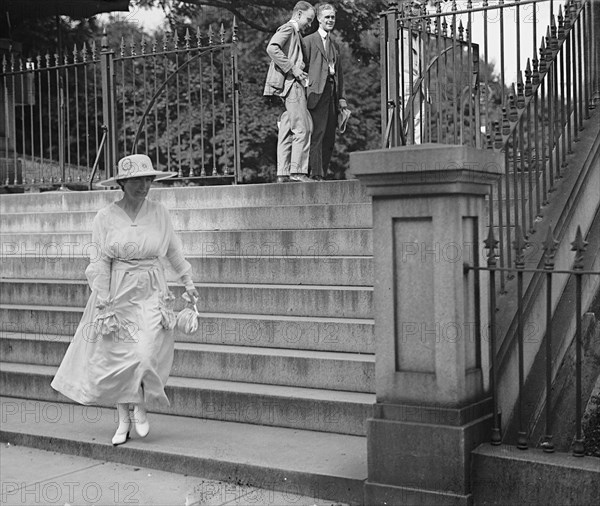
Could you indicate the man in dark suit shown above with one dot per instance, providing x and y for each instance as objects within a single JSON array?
[
  {"x": 286, "y": 79},
  {"x": 325, "y": 90}
]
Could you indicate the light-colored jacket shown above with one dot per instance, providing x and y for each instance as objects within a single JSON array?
[{"x": 285, "y": 50}]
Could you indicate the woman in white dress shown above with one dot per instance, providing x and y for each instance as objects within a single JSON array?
[{"x": 123, "y": 349}]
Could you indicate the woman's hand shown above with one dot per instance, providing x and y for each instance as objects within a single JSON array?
[{"x": 192, "y": 292}]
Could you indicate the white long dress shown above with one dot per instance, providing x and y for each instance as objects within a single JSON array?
[{"x": 122, "y": 351}]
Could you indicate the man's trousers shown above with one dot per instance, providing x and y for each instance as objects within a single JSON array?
[
  {"x": 323, "y": 136},
  {"x": 295, "y": 128}
]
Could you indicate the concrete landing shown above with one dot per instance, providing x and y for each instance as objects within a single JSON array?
[
  {"x": 31, "y": 476},
  {"x": 306, "y": 463}
]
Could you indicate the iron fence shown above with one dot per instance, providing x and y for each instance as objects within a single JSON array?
[
  {"x": 69, "y": 118},
  {"x": 438, "y": 85},
  {"x": 550, "y": 364}
]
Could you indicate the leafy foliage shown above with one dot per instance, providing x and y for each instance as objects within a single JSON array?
[{"x": 354, "y": 17}]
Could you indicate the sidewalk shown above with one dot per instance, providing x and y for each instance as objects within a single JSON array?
[{"x": 29, "y": 476}]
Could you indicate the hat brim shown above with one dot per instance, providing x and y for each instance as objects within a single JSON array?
[{"x": 158, "y": 176}]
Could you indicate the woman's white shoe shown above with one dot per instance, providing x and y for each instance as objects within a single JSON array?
[
  {"x": 124, "y": 427},
  {"x": 140, "y": 420}
]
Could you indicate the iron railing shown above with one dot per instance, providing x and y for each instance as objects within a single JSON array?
[
  {"x": 438, "y": 85},
  {"x": 548, "y": 271},
  {"x": 175, "y": 100}
]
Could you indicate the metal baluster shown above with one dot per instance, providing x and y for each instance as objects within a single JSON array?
[
  {"x": 550, "y": 245},
  {"x": 96, "y": 96},
  {"x": 212, "y": 97},
  {"x": 86, "y": 94},
  {"x": 178, "y": 102},
  {"x": 438, "y": 81},
  {"x": 190, "y": 115},
  {"x": 579, "y": 246},
  {"x": 530, "y": 147},
  {"x": 30, "y": 76},
  {"x": 22, "y": 88},
  {"x": 564, "y": 129},
  {"x": 145, "y": 81},
  {"x": 456, "y": 86},
  {"x": 543, "y": 136},
  {"x": 202, "y": 132},
  {"x": 67, "y": 102},
  {"x": 490, "y": 244},
  {"x": 488, "y": 121},
  {"x": 568, "y": 100},
  {"x": 235, "y": 99},
  {"x": 582, "y": 93},
  {"x": 587, "y": 70},
  {"x": 50, "y": 116},
  {"x": 154, "y": 81},
  {"x": 519, "y": 247},
  {"x": 383, "y": 38},
  {"x": 550, "y": 108},
  {"x": 520, "y": 102},
  {"x": 61, "y": 128},
  {"x": 574, "y": 65},
  {"x": 167, "y": 102},
  {"x": 223, "y": 84},
  {"x": 77, "y": 133},
  {"x": 40, "y": 115},
  {"x": 497, "y": 144},
  {"x": 13, "y": 122},
  {"x": 124, "y": 114},
  {"x": 555, "y": 57}
]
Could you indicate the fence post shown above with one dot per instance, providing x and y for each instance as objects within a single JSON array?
[
  {"x": 432, "y": 402},
  {"x": 391, "y": 109},
  {"x": 108, "y": 106}
]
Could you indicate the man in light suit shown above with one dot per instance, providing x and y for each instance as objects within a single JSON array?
[
  {"x": 325, "y": 90},
  {"x": 286, "y": 78}
]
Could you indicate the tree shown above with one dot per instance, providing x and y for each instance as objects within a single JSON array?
[{"x": 354, "y": 17}]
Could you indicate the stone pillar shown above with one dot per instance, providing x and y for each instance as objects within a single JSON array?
[{"x": 433, "y": 407}]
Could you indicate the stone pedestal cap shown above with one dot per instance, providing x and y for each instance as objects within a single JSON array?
[{"x": 426, "y": 169}]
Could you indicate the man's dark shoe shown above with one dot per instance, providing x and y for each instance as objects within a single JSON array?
[
  {"x": 302, "y": 178},
  {"x": 283, "y": 179},
  {"x": 317, "y": 178}
]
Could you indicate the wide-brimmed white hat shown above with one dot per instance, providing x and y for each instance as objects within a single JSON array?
[{"x": 136, "y": 166}]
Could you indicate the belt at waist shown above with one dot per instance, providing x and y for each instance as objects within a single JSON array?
[{"x": 144, "y": 264}]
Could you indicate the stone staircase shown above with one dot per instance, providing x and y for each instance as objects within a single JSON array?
[{"x": 285, "y": 340}]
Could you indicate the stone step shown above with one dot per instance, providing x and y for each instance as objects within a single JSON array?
[
  {"x": 203, "y": 243},
  {"x": 339, "y": 412},
  {"x": 198, "y": 197},
  {"x": 289, "y": 300},
  {"x": 330, "y": 270},
  {"x": 347, "y": 335},
  {"x": 316, "y": 216},
  {"x": 318, "y": 464},
  {"x": 311, "y": 369}
]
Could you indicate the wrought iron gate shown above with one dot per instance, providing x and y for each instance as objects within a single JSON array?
[{"x": 67, "y": 119}]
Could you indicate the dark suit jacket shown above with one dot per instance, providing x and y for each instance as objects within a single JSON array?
[
  {"x": 285, "y": 50},
  {"x": 318, "y": 68}
]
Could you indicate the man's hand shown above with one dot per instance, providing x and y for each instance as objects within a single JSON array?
[{"x": 300, "y": 75}]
